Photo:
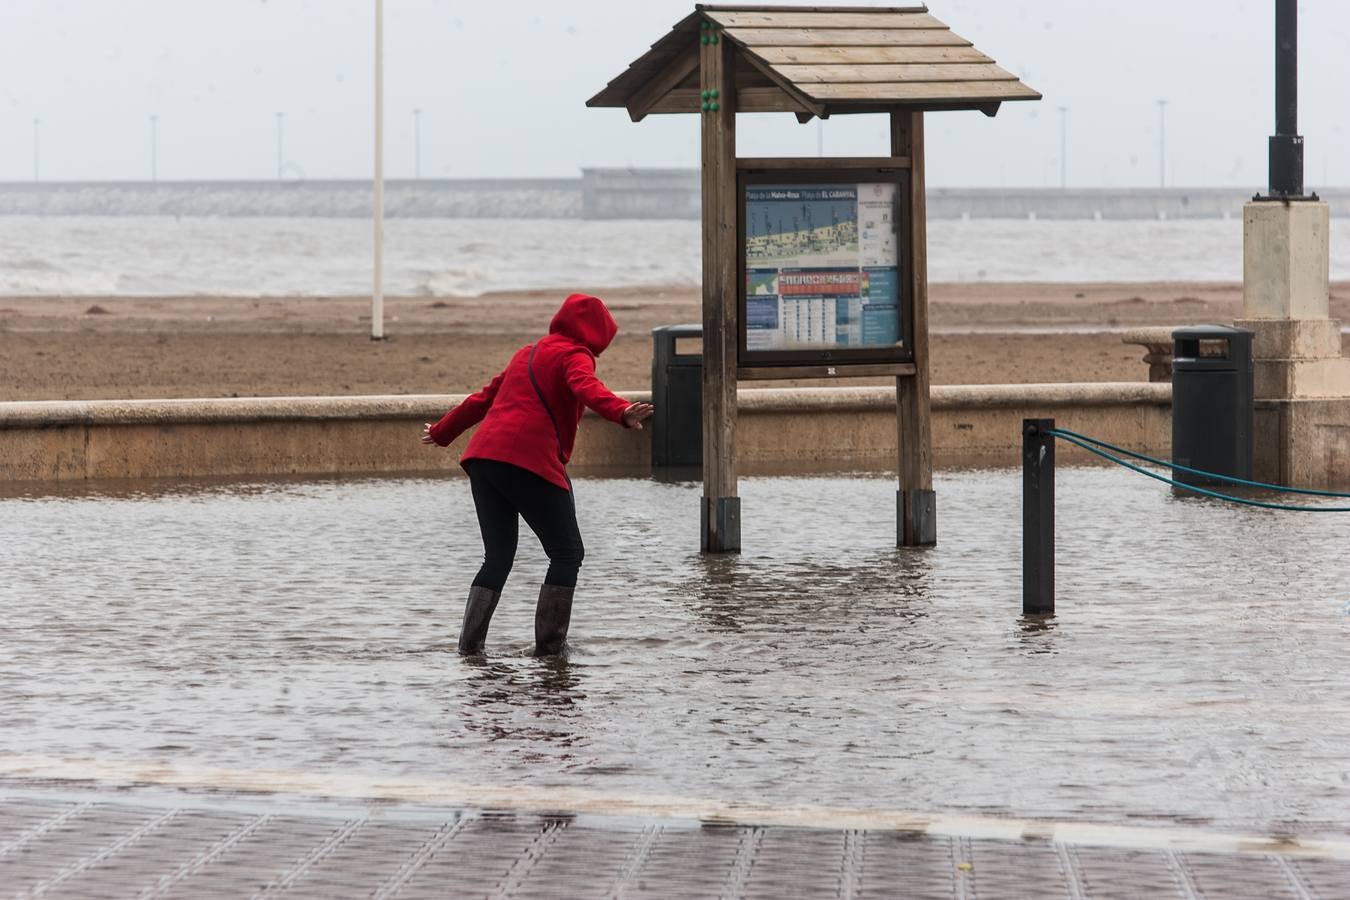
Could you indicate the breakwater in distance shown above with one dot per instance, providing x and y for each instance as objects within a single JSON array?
[{"x": 597, "y": 194}]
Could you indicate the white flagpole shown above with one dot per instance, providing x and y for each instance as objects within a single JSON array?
[{"x": 377, "y": 295}]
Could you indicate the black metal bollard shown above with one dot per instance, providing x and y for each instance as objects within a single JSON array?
[{"x": 1038, "y": 517}]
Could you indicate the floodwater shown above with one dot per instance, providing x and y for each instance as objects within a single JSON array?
[{"x": 1196, "y": 672}]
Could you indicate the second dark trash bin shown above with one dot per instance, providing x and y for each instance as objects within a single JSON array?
[
  {"x": 677, "y": 394},
  {"x": 1213, "y": 403}
]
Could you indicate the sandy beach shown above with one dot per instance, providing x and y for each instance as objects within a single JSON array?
[{"x": 54, "y": 348}]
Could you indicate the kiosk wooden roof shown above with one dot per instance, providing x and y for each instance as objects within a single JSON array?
[{"x": 818, "y": 61}]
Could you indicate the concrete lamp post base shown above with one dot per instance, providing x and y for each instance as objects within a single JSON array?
[{"x": 1302, "y": 382}]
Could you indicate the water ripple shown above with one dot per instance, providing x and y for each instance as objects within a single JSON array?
[{"x": 1195, "y": 672}]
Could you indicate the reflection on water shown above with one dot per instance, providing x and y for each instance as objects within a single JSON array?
[
  {"x": 537, "y": 705},
  {"x": 1195, "y": 670}
]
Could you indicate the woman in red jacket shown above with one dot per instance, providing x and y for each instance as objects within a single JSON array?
[{"x": 516, "y": 462}]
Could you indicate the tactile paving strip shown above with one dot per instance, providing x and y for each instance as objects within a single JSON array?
[{"x": 202, "y": 846}]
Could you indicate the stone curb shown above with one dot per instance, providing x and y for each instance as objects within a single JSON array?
[{"x": 56, "y": 413}]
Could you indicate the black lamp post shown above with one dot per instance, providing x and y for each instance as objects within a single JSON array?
[{"x": 1286, "y": 144}]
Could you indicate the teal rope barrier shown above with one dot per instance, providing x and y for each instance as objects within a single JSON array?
[
  {"x": 1064, "y": 432},
  {"x": 1064, "y": 436}
]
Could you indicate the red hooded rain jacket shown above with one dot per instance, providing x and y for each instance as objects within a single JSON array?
[{"x": 515, "y": 426}]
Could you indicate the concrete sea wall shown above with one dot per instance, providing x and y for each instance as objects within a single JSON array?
[
  {"x": 819, "y": 429},
  {"x": 600, "y": 193},
  {"x": 444, "y": 198}
]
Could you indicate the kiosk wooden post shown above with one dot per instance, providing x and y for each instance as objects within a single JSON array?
[
  {"x": 721, "y": 514},
  {"x": 915, "y": 501},
  {"x": 870, "y": 313}
]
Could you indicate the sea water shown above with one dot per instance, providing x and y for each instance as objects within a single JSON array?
[{"x": 163, "y": 255}]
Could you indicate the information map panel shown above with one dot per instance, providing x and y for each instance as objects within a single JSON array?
[{"x": 822, "y": 269}]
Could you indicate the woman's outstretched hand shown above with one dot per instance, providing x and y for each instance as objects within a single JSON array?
[
  {"x": 426, "y": 434},
  {"x": 636, "y": 414}
]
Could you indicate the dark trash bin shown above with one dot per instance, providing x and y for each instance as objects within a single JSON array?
[
  {"x": 1213, "y": 402},
  {"x": 677, "y": 393}
]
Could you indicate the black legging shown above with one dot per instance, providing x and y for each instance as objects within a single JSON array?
[{"x": 502, "y": 493}]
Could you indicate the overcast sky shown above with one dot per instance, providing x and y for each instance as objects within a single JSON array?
[{"x": 502, "y": 87}]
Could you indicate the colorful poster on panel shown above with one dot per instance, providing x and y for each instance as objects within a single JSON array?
[{"x": 822, "y": 266}]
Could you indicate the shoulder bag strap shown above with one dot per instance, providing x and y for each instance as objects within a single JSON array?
[{"x": 529, "y": 368}]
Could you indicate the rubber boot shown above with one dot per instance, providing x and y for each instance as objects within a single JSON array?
[
  {"x": 551, "y": 618},
  {"x": 477, "y": 614}
]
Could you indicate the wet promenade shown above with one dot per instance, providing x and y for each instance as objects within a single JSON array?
[{"x": 60, "y": 841}]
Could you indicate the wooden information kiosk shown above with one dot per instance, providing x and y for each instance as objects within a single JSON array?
[{"x": 813, "y": 267}]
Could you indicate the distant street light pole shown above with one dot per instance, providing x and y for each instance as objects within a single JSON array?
[
  {"x": 154, "y": 148},
  {"x": 377, "y": 294},
  {"x": 36, "y": 123},
  {"x": 281, "y": 122},
  {"x": 1162, "y": 143},
  {"x": 820, "y": 137},
  {"x": 417, "y": 144},
  {"x": 1063, "y": 147}
]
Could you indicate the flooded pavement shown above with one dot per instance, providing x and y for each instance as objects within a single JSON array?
[{"x": 1195, "y": 673}]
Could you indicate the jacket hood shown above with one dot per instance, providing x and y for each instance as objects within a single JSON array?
[{"x": 584, "y": 319}]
